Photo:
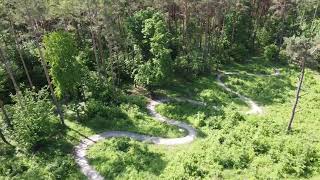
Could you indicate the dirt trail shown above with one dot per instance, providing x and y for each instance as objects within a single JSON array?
[{"x": 254, "y": 107}]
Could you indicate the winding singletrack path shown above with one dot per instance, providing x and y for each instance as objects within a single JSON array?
[
  {"x": 92, "y": 174},
  {"x": 254, "y": 107}
]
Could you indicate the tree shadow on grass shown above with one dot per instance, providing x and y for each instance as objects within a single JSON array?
[
  {"x": 265, "y": 91},
  {"x": 204, "y": 89},
  {"x": 126, "y": 154},
  {"x": 191, "y": 114},
  {"x": 129, "y": 117}
]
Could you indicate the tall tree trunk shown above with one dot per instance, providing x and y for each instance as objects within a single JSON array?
[
  {"x": 20, "y": 54},
  {"x": 315, "y": 13},
  {"x": 297, "y": 96},
  {"x": 185, "y": 25},
  {"x": 93, "y": 22},
  {"x": 102, "y": 59},
  {"x": 79, "y": 33},
  {"x": 5, "y": 115},
  {"x": 110, "y": 47},
  {"x": 3, "y": 138},
  {"x": 9, "y": 71},
  {"x": 95, "y": 50}
]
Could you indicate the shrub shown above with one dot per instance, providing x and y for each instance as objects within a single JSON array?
[
  {"x": 238, "y": 52},
  {"x": 123, "y": 156},
  {"x": 191, "y": 65},
  {"x": 283, "y": 57},
  {"x": 271, "y": 53},
  {"x": 33, "y": 119},
  {"x": 95, "y": 108},
  {"x": 101, "y": 89}
]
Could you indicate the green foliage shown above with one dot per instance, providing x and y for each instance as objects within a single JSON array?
[
  {"x": 299, "y": 49},
  {"x": 33, "y": 120},
  {"x": 151, "y": 38},
  {"x": 204, "y": 35},
  {"x": 264, "y": 36},
  {"x": 66, "y": 71},
  {"x": 190, "y": 65},
  {"x": 271, "y": 53},
  {"x": 238, "y": 31},
  {"x": 124, "y": 158},
  {"x": 100, "y": 89},
  {"x": 55, "y": 166}
]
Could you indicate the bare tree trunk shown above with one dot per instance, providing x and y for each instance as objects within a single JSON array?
[
  {"x": 9, "y": 71},
  {"x": 315, "y": 13},
  {"x": 95, "y": 50},
  {"x": 79, "y": 34},
  {"x": 5, "y": 114},
  {"x": 102, "y": 59},
  {"x": 4, "y": 139},
  {"x": 185, "y": 25},
  {"x": 20, "y": 54},
  {"x": 93, "y": 21},
  {"x": 297, "y": 96}
]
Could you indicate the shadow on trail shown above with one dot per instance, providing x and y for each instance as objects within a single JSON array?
[{"x": 78, "y": 133}]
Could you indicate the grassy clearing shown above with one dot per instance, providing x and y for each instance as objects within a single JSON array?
[{"x": 235, "y": 145}]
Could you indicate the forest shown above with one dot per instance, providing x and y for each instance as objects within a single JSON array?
[{"x": 159, "y": 89}]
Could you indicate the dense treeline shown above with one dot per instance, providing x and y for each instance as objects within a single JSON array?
[
  {"x": 191, "y": 37},
  {"x": 56, "y": 55}
]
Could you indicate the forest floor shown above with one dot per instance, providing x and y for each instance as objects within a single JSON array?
[{"x": 230, "y": 144}]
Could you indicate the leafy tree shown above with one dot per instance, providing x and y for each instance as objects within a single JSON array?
[
  {"x": 66, "y": 71},
  {"x": 33, "y": 120},
  {"x": 238, "y": 30},
  {"x": 151, "y": 40}
]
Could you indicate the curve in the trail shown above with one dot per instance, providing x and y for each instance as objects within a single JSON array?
[
  {"x": 92, "y": 174},
  {"x": 254, "y": 107}
]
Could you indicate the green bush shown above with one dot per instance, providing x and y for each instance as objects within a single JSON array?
[
  {"x": 238, "y": 52},
  {"x": 33, "y": 120},
  {"x": 95, "y": 108},
  {"x": 100, "y": 89},
  {"x": 271, "y": 53},
  {"x": 124, "y": 156},
  {"x": 191, "y": 65},
  {"x": 283, "y": 57}
]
